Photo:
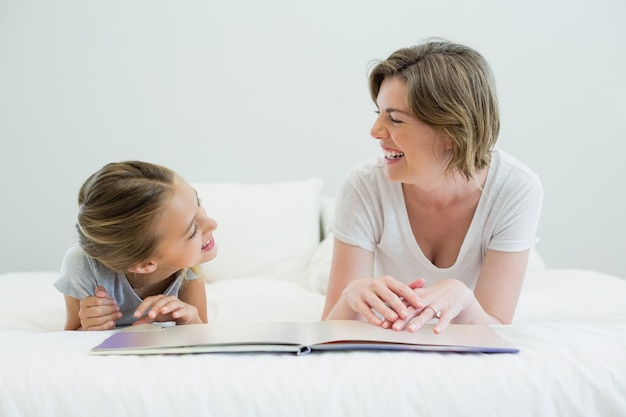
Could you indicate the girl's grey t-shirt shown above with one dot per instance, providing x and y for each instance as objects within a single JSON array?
[
  {"x": 370, "y": 212},
  {"x": 81, "y": 274}
]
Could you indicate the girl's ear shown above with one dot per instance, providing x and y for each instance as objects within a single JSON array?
[{"x": 143, "y": 267}]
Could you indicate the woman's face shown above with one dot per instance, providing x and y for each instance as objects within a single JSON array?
[
  {"x": 185, "y": 230},
  {"x": 415, "y": 152}
]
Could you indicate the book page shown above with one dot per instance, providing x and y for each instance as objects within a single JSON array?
[
  {"x": 217, "y": 335},
  {"x": 297, "y": 337},
  {"x": 332, "y": 334}
]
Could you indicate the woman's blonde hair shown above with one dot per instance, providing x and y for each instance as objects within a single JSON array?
[
  {"x": 119, "y": 206},
  {"x": 449, "y": 87}
]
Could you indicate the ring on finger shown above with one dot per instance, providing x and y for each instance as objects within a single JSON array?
[{"x": 436, "y": 312}]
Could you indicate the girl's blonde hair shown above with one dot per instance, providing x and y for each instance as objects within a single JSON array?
[
  {"x": 119, "y": 206},
  {"x": 450, "y": 87}
]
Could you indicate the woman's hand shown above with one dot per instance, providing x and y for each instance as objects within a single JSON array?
[
  {"x": 387, "y": 296},
  {"x": 99, "y": 311},
  {"x": 492, "y": 301},
  {"x": 448, "y": 299},
  {"x": 162, "y": 308}
]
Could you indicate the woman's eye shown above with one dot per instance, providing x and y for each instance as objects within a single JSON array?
[{"x": 391, "y": 119}]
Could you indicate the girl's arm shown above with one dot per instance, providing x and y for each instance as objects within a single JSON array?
[
  {"x": 95, "y": 312},
  {"x": 193, "y": 292},
  {"x": 72, "y": 307},
  {"x": 188, "y": 307}
]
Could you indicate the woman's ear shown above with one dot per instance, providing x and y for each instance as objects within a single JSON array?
[
  {"x": 143, "y": 267},
  {"x": 448, "y": 143}
]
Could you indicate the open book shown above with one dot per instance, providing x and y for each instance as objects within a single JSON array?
[{"x": 299, "y": 338}]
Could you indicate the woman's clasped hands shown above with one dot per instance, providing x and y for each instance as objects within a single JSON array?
[{"x": 389, "y": 303}]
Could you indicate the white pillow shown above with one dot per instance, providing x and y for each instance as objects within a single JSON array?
[
  {"x": 318, "y": 272},
  {"x": 535, "y": 261},
  {"x": 264, "y": 230}
]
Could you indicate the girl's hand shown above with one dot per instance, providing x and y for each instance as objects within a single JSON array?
[
  {"x": 98, "y": 312},
  {"x": 390, "y": 298},
  {"x": 449, "y": 297},
  {"x": 162, "y": 308}
]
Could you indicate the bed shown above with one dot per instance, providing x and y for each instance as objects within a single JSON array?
[{"x": 570, "y": 327}]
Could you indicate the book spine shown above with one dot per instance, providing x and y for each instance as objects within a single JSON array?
[{"x": 304, "y": 350}]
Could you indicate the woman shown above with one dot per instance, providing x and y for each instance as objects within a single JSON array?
[{"x": 442, "y": 224}]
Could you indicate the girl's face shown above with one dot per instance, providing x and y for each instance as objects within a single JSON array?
[
  {"x": 185, "y": 230},
  {"x": 414, "y": 151}
]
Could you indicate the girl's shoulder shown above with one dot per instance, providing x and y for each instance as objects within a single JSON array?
[
  {"x": 76, "y": 262},
  {"x": 77, "y": 257}
]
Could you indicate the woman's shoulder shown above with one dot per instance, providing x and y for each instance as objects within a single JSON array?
[
  {"x": 367, "y": 187},
  {"x": 368, "y": 167},
  {"x": 508, "y": 165},
  {"x": 511, "y": 176},
  {"x": 369, "y": 172}
]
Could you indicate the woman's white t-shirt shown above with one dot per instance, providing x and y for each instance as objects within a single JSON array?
[{"x": 370, "y": 213}]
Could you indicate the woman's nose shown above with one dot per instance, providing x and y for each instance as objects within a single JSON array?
[{"x": 377, "y": 131}]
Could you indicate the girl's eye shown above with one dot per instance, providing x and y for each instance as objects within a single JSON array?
[{"x": 195, "y": 231}]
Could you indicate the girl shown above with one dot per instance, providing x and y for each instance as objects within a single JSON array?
[
  {"x": 442, "y": 224},
  {"x": 142, "y": 235}
]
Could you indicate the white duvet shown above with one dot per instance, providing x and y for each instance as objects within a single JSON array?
[{"x": 570, "y": 327}]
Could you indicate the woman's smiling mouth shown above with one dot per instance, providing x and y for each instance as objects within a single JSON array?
[{"x": 392, "y": 155}]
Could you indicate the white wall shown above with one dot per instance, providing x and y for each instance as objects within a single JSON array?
[{"x": 276, "y": 90}]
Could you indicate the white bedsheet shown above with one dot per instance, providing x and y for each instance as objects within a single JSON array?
[{"x": 570, "y": 327}]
